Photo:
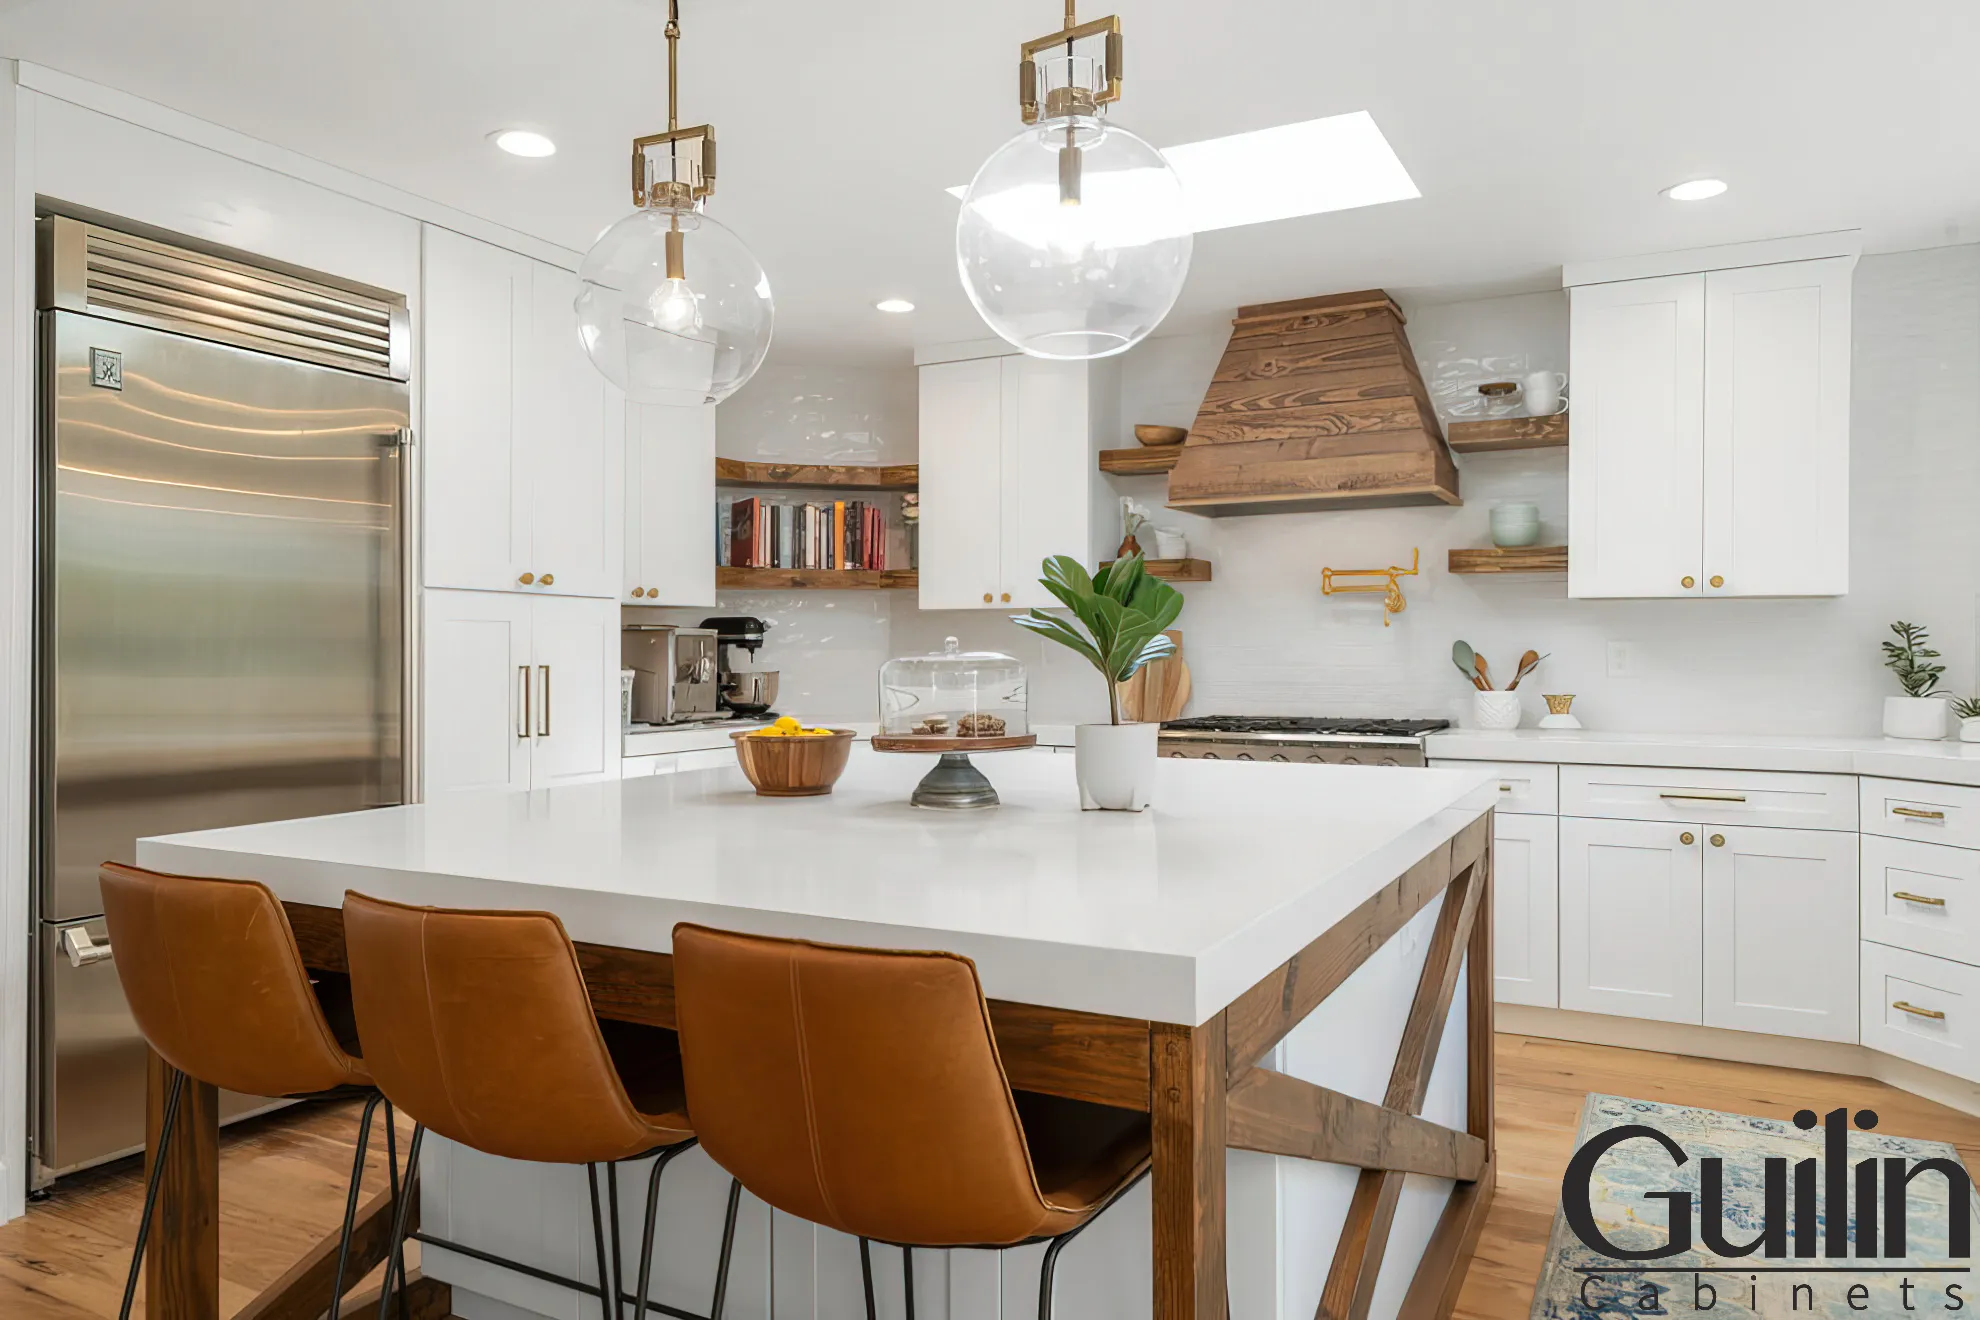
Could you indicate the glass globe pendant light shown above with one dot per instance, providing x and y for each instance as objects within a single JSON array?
[
  {"x": 1073, "y": 241},
  {"x": 671, "y": 306}
]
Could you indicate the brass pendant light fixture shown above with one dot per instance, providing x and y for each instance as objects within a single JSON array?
[
  {"x": 672, "y": 307},
  {"x": 1073, "y": 241}
]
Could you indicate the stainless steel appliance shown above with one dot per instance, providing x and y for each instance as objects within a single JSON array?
[
  {"x": 673, "y": 672},
  {"x": 220, "y": 606},
  {"x": 745, "y": 692},
  {"x": 1298, "y": 738}
]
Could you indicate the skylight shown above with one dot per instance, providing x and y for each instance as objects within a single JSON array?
[{"x": 1332, "y": 164}]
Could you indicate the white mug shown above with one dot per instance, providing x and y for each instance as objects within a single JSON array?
[
  {"x": 1543, "y": 392},
  {"x": 1170, "y": 544}
]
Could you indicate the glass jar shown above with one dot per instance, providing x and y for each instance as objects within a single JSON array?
[{"x": 956, "y": 694}]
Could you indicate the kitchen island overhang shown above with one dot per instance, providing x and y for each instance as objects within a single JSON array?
[{"x": 1149, "y": 961}]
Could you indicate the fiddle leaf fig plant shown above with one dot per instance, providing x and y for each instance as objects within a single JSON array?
[
  {"x": 1910, "y": 658},
  {"x": 1122, "y": 614}
]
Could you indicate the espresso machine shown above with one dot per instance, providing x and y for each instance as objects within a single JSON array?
[
  {"x": 746, "y": 693},
  {"x": 673, "y": 673}
]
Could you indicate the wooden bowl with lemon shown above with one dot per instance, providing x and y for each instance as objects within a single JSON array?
[{"x": 787, "y": 759}]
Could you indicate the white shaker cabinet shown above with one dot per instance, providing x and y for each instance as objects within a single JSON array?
[
  {"x": 1710, "y": 449},
  {"x": 1631, "y": 912},
  {"x": 521, "y": 435},
  {"x": 1780, "y": 931},
  {"x": 520, "y": 691},
  {"x": 1525, "y": 916},
  {"x": 1008, "y": 453},
  {"x": 670, "y": 506}
]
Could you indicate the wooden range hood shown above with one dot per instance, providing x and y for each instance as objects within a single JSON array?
[{"x": 1316, "y": 405}]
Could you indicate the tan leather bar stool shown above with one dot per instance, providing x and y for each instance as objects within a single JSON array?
[
  {"x": 217, "y": 986},
  {"x": 861, "y": 1089},
  {"x": 478, "y": 1024}
]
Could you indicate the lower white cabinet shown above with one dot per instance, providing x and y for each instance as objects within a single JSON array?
[
  {"x": 1923, "y": 1009},
  {"x": 1525, "y": 910},
  {"x": 1631, "y": 910},
  {"x": 1780, "y": 931},
  {"x": 520, "y": 691}
]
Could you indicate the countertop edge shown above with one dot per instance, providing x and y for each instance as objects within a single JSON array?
[{"x": 1939, "y": 762}]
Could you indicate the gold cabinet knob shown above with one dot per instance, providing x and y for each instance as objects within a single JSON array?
[
  {"x": 1687, "y": 838},
  {"x": 654, "y": 592},
  {"x": 527, "y": 578},
  {"x": 1718, "y": 581},
  {"x": 1718, "y": 840},
  {"x": 545, "y": 580},
  {"x": 986, "y": 598},
  {"x": 639, "y": 591},
  {"x": 1688, "y": 583},
  {"x": 1007, "y": 598}
]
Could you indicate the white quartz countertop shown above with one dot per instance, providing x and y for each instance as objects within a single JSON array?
[
  {"x": 656, "y": 740},
  {"x": 1892, "y": 758},
  {"x": 1168, "y": 914}
]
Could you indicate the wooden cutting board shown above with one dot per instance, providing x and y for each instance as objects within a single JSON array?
[{"x": 1160, "y": 689}]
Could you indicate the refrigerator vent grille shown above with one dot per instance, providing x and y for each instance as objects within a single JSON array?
[{"x": 135, "y": 279}]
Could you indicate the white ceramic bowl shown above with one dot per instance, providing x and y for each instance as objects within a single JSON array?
[{"x": 1495, "y": 710}]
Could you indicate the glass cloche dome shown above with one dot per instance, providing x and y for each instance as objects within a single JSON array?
[{"x": 955, "y": 694}]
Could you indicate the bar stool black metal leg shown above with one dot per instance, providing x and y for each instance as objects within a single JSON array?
[
  {"x": 395, "y": 1258},
  {"x": 351, "y": 1199},
  {"x": 618, "y": 1250},
  {"x": 907, "y": 1279},
  {"x": 605, "y": 1282},
  {"x": 660, "y": 1163},
  {"x": 728, "y": 1250},
  {"x": 165, "y": 1127},
  {"x": 1045, "y": 1272},
  {"x": 866, "y": 1275},
  {"x": 392, "y": 1169}
]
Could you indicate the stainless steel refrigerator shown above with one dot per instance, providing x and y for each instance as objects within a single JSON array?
[{"x": 221, "y": 605}]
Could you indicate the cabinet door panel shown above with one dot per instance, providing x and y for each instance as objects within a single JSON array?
[
  {"x": 670, "y": 462},
  {"x": 1777, "y": 429},
  {"x": 961, "y": 470},
  {"x": 574, "y": 646},
  {"x": 1635, "y": 469},
  {"x": 1780, "y": 932},
  {"x": 1525, "y": 910},
  {"x": 477, "y": 652},
  {"x": 1921, "y": 896},
  {"x": 476, "y": 311},
  {"x": 576, "y": 499},
  {"x": 1630, "y": 919},
  {"x": 1048, "y": 465}
]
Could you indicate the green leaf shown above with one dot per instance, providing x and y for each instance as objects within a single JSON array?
[
  {"x": 1057, "y": 629},
  {"x": 1122, "y": 577},
  {"x": 1123, "y": 611}
]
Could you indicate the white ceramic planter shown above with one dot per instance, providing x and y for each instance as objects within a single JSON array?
[
  {"x": 1495, "y": 710},
  {"x": 1969, "y": 729},
  {"x": 1915, "y": 717},
  {"x": 1115, "y": 764}
]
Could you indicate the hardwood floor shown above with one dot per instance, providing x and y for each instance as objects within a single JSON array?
[{"x": 282, "y": 1178}]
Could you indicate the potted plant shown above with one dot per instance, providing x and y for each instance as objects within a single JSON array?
[
  {"x": 1916, "y": 714},
  {"x": 1121, "y": 613},
  {"x": 1968, "y": 710}
]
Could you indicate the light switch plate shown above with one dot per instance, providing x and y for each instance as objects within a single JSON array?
[{"x": 1622, "y": 659}]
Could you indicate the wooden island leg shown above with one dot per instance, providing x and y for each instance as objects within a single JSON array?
[
  {"x": 182, "y": 1258},
  {"x": 1186, "y": 1114}
]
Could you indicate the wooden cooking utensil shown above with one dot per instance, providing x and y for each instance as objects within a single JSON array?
[
  {"x": 1527, "y": 664},
  {"x": 1484, "y": 673},
  {"x": 1467, "y": 663}
]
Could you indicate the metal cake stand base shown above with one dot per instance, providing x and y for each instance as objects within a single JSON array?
[{"x": 954, "y": 785}]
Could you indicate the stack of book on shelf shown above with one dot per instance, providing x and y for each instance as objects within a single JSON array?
[{"x": 754, "y": 533}]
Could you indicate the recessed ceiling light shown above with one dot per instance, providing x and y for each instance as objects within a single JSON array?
[
  {"x": 894, "y": 305},
  {"x": 522, "y": 142},
  {"x": 1332, "y": 164},
  {"x": 1695, "y": 190}
]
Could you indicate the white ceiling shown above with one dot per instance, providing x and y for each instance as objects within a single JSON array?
[{"x": 1539, "y": 131}]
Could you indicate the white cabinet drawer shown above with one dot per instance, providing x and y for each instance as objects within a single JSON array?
[
  {"x": 1525, "y": 789},
  {"x": 1921, "y": 896},
  {"x": 1710, "y": 797},
  {"x": 1935, "y": 813},
  {"x": 1923, "y": 1009}
]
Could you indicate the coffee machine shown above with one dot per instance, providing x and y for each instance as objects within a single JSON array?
[
  {"x": 747, "y": 693},
  {"x": 673, "y": 673}
]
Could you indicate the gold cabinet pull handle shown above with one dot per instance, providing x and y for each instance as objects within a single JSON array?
[
  {"x": 522, "y": 707},
  {"x": 1917, "y": 898},
  {"x": 1703, "y": 797},
  {"x": 1688, "y": 582},
  {"x": 1687, "y": 838},
  {"x": 1916, "y": 814},
  {"x": 653, "y": 593},
  {"x": 986, "y": 598},
  {"x": 1717, "y": 581},
  {"x": 1718, "y": 840},
  {"x": 1505, "y": 788},
  {"x": 1916, "y": 1011},
  {"x": 1007, "y": 598}
]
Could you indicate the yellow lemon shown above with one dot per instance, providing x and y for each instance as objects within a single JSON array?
[{"x": 788, "y": 722}]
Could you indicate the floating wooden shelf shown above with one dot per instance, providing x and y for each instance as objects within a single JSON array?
[
  {"x": 1512, "y": 559},
  {"x": 1497, "y": 433},
  {"x": 1142, "y": 461},
  {"x": 1176, "y": 570},
  {"x": 818, "y": 476},
  {"x": 815, "y": 579}
]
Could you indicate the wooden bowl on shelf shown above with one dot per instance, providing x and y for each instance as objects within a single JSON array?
[
  {"x": 798, "y": 766},
  {"x": 1157, "y": 436}
]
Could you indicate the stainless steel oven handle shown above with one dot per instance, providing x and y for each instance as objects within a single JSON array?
[{"x": 82, "y": 948}]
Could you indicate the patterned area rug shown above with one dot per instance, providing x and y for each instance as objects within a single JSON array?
[{"x": 1578, "y": 1283}]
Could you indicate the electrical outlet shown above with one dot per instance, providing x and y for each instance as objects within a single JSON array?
[{"x": 1622, "y": 659}]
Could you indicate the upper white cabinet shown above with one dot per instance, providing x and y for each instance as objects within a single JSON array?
[
  {"x": 670, "y": 506},
  {"x": 1710, "y": 454},
  {"x": 1008, "y": 451},
  {"x": 522, "y": 436}
]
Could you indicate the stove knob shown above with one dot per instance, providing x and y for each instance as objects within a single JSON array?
[
  {"x": 1350, "y": 759},
  {"x": 1176, "y": 756},
  {"x": 1278, "y": 756},
  {"x": 1244, "y": 756},
  {"x": 1210, "y": 756}
]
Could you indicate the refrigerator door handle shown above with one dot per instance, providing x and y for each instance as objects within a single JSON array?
[{"x": 82, "y": 948}]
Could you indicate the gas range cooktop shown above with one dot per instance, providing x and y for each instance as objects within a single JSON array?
[
  {"x": 1352, "y": 741},
  {"x": 1307, "y": 726}
]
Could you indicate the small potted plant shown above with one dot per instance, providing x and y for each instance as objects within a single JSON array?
[
  {"x": 1916, "y": 714},
  {"x": 1968, "y": 710},
  {"x": 1121, "y": 614}
]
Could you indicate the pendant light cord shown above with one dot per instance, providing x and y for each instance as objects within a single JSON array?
[{"x": 673, "y": 64}]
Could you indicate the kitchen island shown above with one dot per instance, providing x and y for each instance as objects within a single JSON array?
[{"x": 1265, "y": 962}]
